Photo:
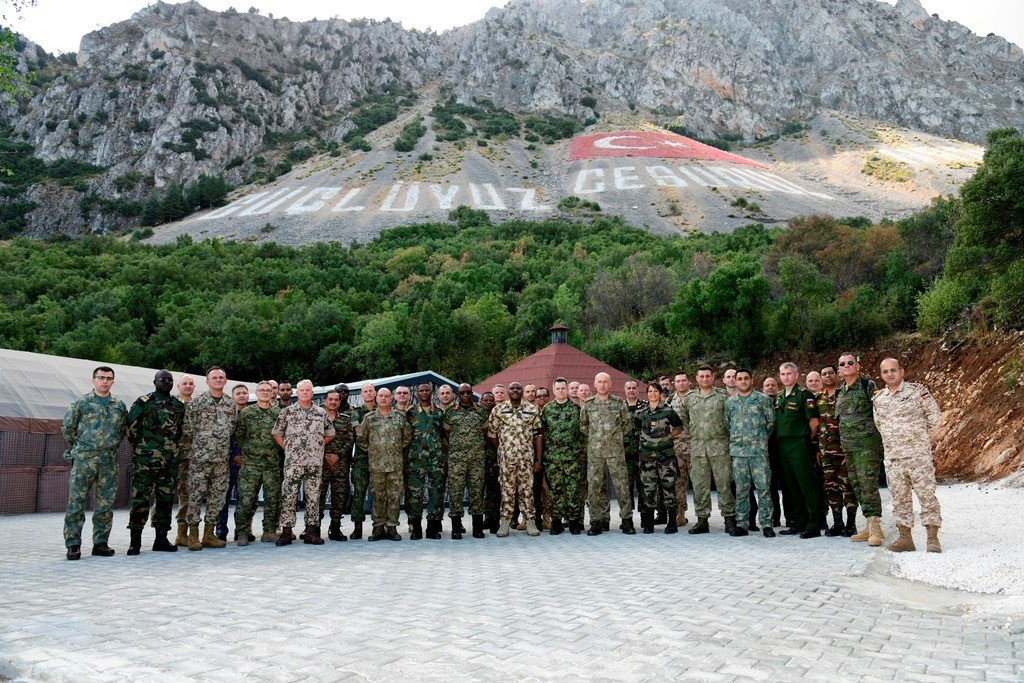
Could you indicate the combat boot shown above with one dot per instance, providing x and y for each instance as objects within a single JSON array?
[
  {"x": 575, "y": 528},
  {"x": 933, "y": 539},
  {"x": 531, "y": 528},
  {"x": 606, "y": 525},
  {"x": 182, "y": 537},
  {"x": 193, "y": 537},
  {"x": 905, "y": 543},
  {"x": 378, "y": 534},
  {"x": 457, "y": 529},
  {"x": 875, "y": 535},
  {"x": 269, "y": 537},
  {"x": 503, "y": 528},
  {"x": 730, "y": 524},
  {"x": 493, "y": 525},
  {"x": 285, "y": 537},
  {"x": 313, "y": 535},
  {"x": 851, "y": 523},
  {"x": 161, "y": 544},
  {"x": 626, "y": 526},
  {"x": 357, "y": 531},
  {"x": 478, "y": 526},
  {"x": 811, "y": 532},
  {"x": 647, "y": 522},
  {"x": 595, "y": 529},
  {"x": 102, "y": 550},
  {"x": 74, "y": 552},
  {"x": 556, "y": 526},
  {"x": 701, "y": 527},
  {"x": 392, "y": 534},
  {"x": 660, "y": 518},
  {"x": 739, "y": 531},
  {"x": 837, "y": 523},
  {"x": 670, "y": 522},
  {"x": 210, "y": 539},
  {"x": 417, "y": 529},
  {"x": 334, "y": 531},
  {"x": 433, "y": 529},
  {"x": 135, "y": 545},
  {"x": 860, "y": 536},
  {"x": 221, "y": 532}
]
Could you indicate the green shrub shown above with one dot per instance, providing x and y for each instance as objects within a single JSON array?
[{"x": 941, "y": 305}]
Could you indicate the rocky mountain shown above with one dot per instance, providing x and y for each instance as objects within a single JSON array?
[{"x": 178, "y": 92}]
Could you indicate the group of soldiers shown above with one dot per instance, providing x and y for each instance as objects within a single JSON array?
[{"x": 544, "y": 454}]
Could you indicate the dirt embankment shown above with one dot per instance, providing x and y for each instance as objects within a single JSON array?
[{"x": 979, "y": 386}]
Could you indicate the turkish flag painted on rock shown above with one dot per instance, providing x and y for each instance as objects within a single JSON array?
[{"x": 640, "y": 143}]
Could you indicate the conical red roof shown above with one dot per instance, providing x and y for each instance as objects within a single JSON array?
[{"x": 553, "y": 361}]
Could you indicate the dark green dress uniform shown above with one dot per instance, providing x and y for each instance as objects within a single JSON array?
[
  {"x": 793, "y": 412},
  {"x": 154, "y": 427}
]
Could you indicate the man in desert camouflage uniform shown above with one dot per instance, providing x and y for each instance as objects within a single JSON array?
[
  {"x": 862, "y": 446},
  {"x": 681, "y": 445},
  {"x": 427, "y": 465},
  {"x": 604, "y": 421},
  {"x": 514, "y": 429},
  {"x": 564, "y": 459},
  {"x": 384, "y": 434},
  {"x": 907, "y": 417},
  {"x": 302, "y": 430},
  {"x": 466, "y": 426},
  {"x": 93, "y": 427},
  {"x": 186, "y": 388},
  {"x": 206, "y": 436},
  {"x": 154, "y": 428},
  {"x": 260, "y": 466},
  {"x": 750, "y": 419},
  {"x": 361, "y": 462},
  {"x": 337, "y": 459},
  {"x": 703, "y": 415}
]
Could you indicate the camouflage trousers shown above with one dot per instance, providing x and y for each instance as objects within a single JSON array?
[
  {"x": 907, "y": 476},
  {"x": 336, "y": 481},
  {"x": 599, "y": 504},
  {"x": 182, "y": 479},
  {"x": 387, "y": 491},
  {"x": 565, "y": 480},
  {"x": 659, "y": 473},
  {"x": 682, "y": 449},
  {"x": 701, "y": 469},
  {"x": 466, "y": 472},
  {"x": 515, "y": 475},
  {"x": 838, "y": 489},
  {"x": 153, "y": 477},
  {"x": 863, "y": 465},
  {"x": 636, "y": 486},
  {"x": 492, "y": 490},
  {"x": 425, "y": 473},
  {"x": 747, "y": 471},
  {"x": 360, "y": 484},
  {"x": 222, "y": 516},
  {"x": 251, "y": 476},
  {"x": 207, "y": 480},
  {"x": 292, "y": 478},
  {"x": 97, "y": 468}
]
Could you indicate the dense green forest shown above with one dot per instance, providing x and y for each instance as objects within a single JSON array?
[{"x": 467, "y": 297}]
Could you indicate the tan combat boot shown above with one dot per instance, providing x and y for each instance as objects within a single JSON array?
[
  {"x": 875, "y": 535},
  {"x": 861, "y": 536},
  {"x": 210, "y": 539},
  {"x": 243, "y": 537},
  {"x": 182, "y": 538},
  {"x": 933, "y": 539},
  {"x": 193, "y": 537},
  {"x": 531, "y": 528},
  {"x": 503, "y": 528},
  {"x": 905, "y": 543}
]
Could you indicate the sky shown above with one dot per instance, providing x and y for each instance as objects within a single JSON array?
[{"x": 58, "y": 25}]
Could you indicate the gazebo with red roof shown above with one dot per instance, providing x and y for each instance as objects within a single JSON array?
[{"x": 559, "y": 359}]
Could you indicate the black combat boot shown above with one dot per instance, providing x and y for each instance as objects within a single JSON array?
[
  {"x": 493, "y": 524},
  {"x": 837, "y": 523},
  {"x": 135, "y": 545},
  {"x": 851, "y": 523},
  {"x": 357, "y": 531},
  {"x": 285, "y": 538},
  {"x": 811, "y": 532},
  {"x": 556, "y": 526},
  {"x": 379, "y": 534},
  {"x": 457, "y": 528},
  {"x": 417, "y": 529},
  {"x": 74, "y": 552},
  {"x": 647, "y": 522},
  {"x": 102, "y": 550},
  {"x": 701, "y": 527},
  {"x": 626, "y": 526},
  {"x": 730, "y": 524},
  {"x": 392, "y": 534},
  {"x": 738, "y": 531},
  {"x": 334, "y": 531},
  {"x": 670, "y": 522},
  {"x": 575, "y": 528},
  {"x": 161, "y": 544},
  {"x": 478, "y": 526},
  {"x": 660, "y": 518},
  {"x": 595, "y": 529},
  {"x": 433, "y": 529}
]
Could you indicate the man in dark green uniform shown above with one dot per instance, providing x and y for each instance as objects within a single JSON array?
[
  {"x": 631, "y": 444},
  {"x": 154, "y": 427},
  {"x": 564, "y": 459},
  {"x": 796, "y": 423},
  {"x": 466, "y": 426},
  {"x": 427, "y": 464},
  {"x": 492, "y": 488},
  {"x": 361, "y": 463}
]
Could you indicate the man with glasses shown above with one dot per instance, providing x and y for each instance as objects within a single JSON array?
[
  {"x": 834, "y": 469},
  {"x": 466, "y": 426},
  {"x": 93, "y": 426},
  {"x": 403, "y": 399},
  {"x": 259, "y": 466}
]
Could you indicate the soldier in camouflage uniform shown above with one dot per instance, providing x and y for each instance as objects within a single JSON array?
[
  {"x": 514, "y": 428},
  {"x": 361, "y": 463},
  {"x": 631, "y": 446},
  {"x": 260, "y": 466},
  {"x": 657, "y": 424},
  {"x": 750, "y": 419},
  {"x": 564, "y": 459},
  {"x": 302, "y": 430},
  {"x": 862, "y": 445},
  {"x": 604, "y": 421},
  {"x": 93, "y": 427},
  {"x": 337, "y": 460},
  {"x": 703, "y": 415},
  {"x": 427, "y": 465},
  {"x": 384, "y": 434},
  {"x": 838, "y": 489},
  {"x": 492, "y": 490},
  {"x": 186, "y": 387},
  {"x": 907, "y": 417},
  {"x": 466, "y": 427},
  {"x": 681, "y": 445},
  {"x": 206, "y": 437},
  {"x": 154, "y": 428},
  {"x": 240, "y": 394}
]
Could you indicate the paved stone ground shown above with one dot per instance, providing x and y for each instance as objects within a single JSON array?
[{"x": 568, "y": 608}]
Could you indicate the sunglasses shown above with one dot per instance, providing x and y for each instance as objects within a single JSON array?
[{"x": 844, "y": 363}]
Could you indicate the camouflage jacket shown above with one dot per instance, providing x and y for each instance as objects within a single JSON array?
[
  {"x": 750, "y": 420},
  {"x": 631, "y": 441},
  {"x": 906, "y": 419},
  {"x": 856, "y": 416},
  {"x": 427, "y": 431},
  {"x": 344, "y": 435},
  {"x": 303, "y": 431},
  {"x": 704, "y": 415},
  {"x": 358, "y": 413},
  {"x": 252, "y": 432},
  {"x": 515, "y": 429},
  {"x": 154, "y": 424},
  {"x": 828, "y": 428},
  {"x": 384, "y": 438},
  {"x": 682, "y": 438},
  {"x": 605, "y": 424},
  {"x": 94, "y": 423},
  {"x": 562, "y": 439},
  {"x": 465, "y": 427},
  {"x": 207, "y": 429},
  {"x": 655, "y": 424}
]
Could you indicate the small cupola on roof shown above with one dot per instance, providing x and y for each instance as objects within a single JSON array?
[{"x": 559, "y": 334}]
